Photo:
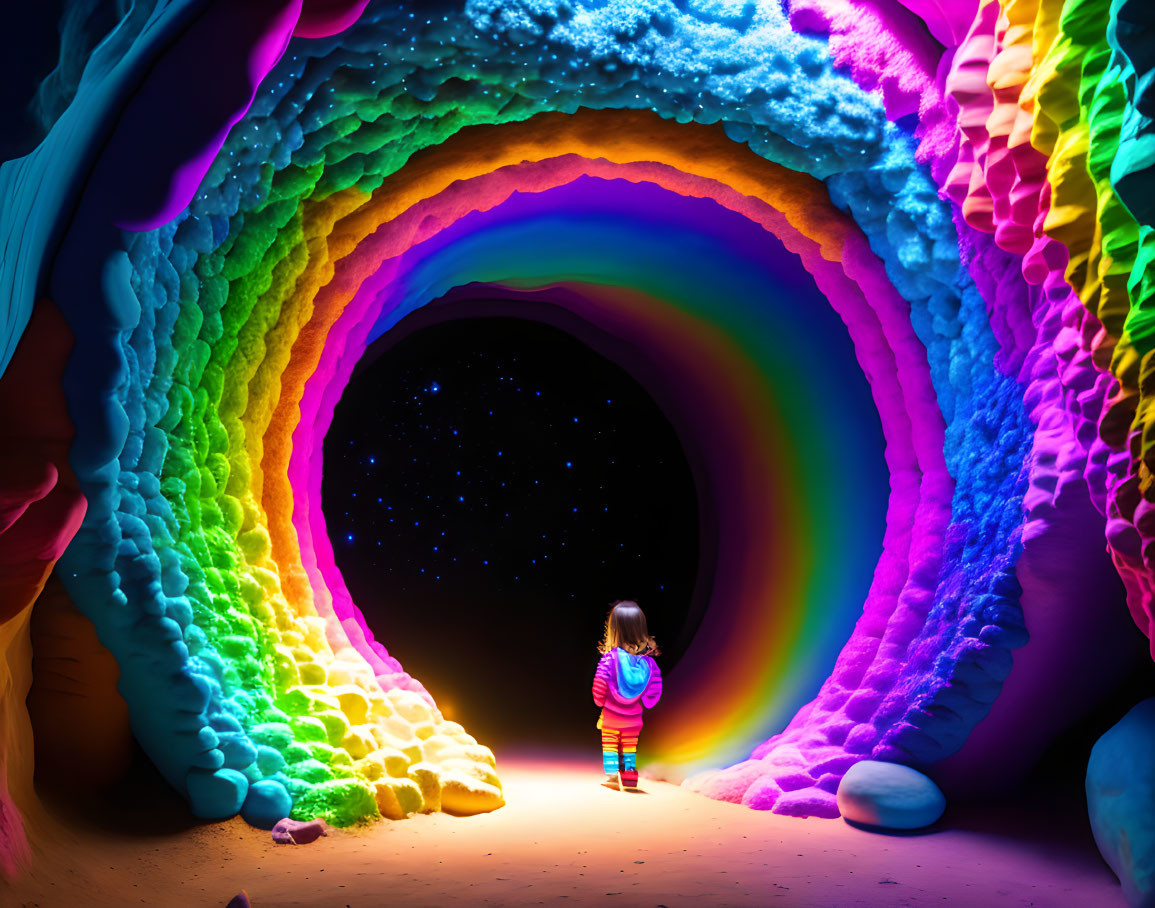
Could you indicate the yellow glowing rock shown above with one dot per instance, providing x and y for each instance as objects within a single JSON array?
[
  {"x": 394, "y": 762},
  {"x": 451, "y": 728},
  {"x": 413, "y": 752},
  {"x": 312, "y": 673},
  {"x": 251, "y": 591},
  {"x": 398, "y": 798},
  {"x": 464, "y": 738},
  {"x": 346, "y": 653},
  {"x": 314, "y": 630},
  {"x": 266, "y": 578},
  {"x": 370, "y": 768},
  {"x": 464, "y": 794},
  {"x": 252, "y": 513},
  {"x": 255, "y": 544},
  {"x": 402, "y": 740},
  {"x": 279, "y": 602},
  {"x": 410, "y": 706},
  {"x": 479, "y": 753},
  {"x": 340, "y": 673},
  {"x": 381, "y": 735},
  {"x": 400, "y": 730},
  {"x": 261, "y": 608},
  {"x": 359, "y": 742},
  {"x": 461, "y": 766},
  {"x": 439, "y": 747},
  {"x": 428, "y": 779},
  {"x": 354, "y": 703}
]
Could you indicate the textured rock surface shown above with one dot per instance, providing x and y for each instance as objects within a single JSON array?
[
  {"x": 237, "y": 239},
  {"x": 995, "y": 290},
  {"x": 1121, "y": 801},
  {"x": 40, "y": 507},
  {"x": 1032, "y": 86},
  {"x": 889, "y": 795}
]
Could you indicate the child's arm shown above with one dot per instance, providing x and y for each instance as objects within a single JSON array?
[
  {"x": 602, "y": 680},
  {"x": 653, "y": 691}
]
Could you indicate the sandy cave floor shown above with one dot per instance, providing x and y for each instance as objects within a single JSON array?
[{"x": 562, "y": 838}]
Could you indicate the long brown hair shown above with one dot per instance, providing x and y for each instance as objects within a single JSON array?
[{"x": 626, "y": 627}]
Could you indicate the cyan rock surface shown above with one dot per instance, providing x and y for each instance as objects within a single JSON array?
[
  {"x": 1121, "y": 801},
  {"x": 889, "y": 796}
]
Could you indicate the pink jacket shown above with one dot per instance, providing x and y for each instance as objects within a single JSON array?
[{"x": 624, "y": 685}]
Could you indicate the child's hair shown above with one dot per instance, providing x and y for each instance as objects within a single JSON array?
[{"x": 626, "y": 627}]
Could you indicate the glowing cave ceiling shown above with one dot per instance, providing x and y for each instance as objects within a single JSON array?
[{"x": 226, "y": 218}]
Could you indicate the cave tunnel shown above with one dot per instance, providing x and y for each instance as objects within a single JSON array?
[
  {"x": 486, "y": 525},
  {"x": 754, "y": 547},
  {"x": 874, "y": 278}
]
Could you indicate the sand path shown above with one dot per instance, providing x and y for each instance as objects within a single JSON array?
[{"x": 563, "y": 839}]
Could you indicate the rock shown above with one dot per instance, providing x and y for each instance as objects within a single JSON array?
[
  {"x": 889, "y": 796},
  {"x": 216, "y": 795},
  {"x": 266, "y": 804},
  {"x": 1121, "y": 799},
  {"x": 398, "y": 798},
  {"x": 297, "y": 832},
  {"x": 463, "y": 795}
]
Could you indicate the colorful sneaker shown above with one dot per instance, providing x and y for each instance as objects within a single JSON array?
[
  {"x": 629, "y": 778},
  {"x": 614, "y": 781}
]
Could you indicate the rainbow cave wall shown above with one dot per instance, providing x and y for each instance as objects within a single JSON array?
[{"x": 851, "y": 244}]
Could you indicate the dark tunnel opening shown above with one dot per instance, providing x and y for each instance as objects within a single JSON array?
[{"x": 492, "y": 484}]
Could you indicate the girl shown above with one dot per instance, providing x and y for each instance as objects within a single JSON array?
[{"x": 627, "y": 679}]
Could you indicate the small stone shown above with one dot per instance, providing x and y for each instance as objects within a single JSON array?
[
  {"x": 889, "y": 796},
  {"x": 298, "y": 832}
]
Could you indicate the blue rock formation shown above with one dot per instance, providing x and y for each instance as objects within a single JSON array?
[{"x": 1121, "y": 801}]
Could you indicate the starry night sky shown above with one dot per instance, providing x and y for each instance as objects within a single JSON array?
[{"x": 491, "y": 485}]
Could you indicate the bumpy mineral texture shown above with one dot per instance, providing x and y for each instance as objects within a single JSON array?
[{"x": 963, "y": 182}]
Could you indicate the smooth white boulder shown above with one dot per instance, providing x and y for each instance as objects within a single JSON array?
[{"x": 889, "y": 795}]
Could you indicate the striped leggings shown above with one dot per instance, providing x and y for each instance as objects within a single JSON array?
[{"x": 619, "y": 750}]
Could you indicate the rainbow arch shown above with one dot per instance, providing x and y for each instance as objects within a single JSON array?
[{"x": 991, "y": 291}]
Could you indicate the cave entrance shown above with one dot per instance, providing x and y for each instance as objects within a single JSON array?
[{"x": 492, "y": 483}]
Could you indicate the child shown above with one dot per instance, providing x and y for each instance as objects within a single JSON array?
[{"x": 627, "y": 679}]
